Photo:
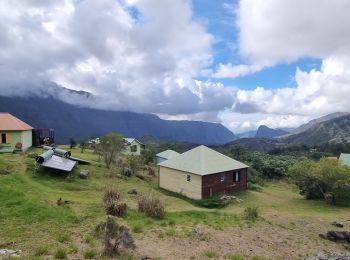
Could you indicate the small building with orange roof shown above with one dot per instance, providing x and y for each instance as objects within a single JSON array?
[{"x": 15, "y": 135}]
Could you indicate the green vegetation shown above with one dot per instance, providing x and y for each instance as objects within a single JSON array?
[
  {"x": 251, "y": 213},
  {"x": 210, "y": 254},
  {"x": 326, "y": 179},
  {"x": 90, "y": 254},
  {"x": 30, "y": 217},
  {"x": 60, "y": 253}
]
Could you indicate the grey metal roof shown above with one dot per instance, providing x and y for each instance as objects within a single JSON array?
[
  {"x": 167, "y": 154},
  {"x": 59, "y": 163},
  {"x": 130, "y": 140},
  {"x": 203, "y": 161}
]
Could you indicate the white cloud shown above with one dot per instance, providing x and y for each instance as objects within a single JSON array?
[
  {"x": 234, "y": 71},
  {"x": 143, "y": 63}
]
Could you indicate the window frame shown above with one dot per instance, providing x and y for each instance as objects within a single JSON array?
[
  {"x": 133, "y": 148},
  {"x": 222, "y": 178},
  {"x": 237, "y": 176},
  {"x": 188, "y": 178}
]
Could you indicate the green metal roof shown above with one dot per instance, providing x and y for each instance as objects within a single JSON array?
[
  {"x": 345, "y": 159},
  {"x": 167, "y": 154},
  {"x": 203, "y": 161}
]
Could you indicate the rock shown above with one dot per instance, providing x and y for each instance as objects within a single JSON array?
[
  {"x": 84, "y": 174},
  {"x": 337, "y": 224},
  {"x": 9, "y": 252},
  {"x": 336, "y": 235},
  {"x": 323, "y": 255},
  {"x": 145, "y": 258},
  {"x": 132, "y": 191},
  {"x": 126, "y": 172},
  {"x": 200, "y": 233}
]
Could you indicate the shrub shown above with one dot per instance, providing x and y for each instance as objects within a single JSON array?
[
  {"x": 326, "y": 179},
  {"x": 60, "y": 254},
  {"x": 151, "y": 206},
  {"x": 254, "y": 187},
  {"x": 111, "y": 205},
  {"x": 89, "y": 254},
  {"x": 137, "y": 228},
  {"x": 114, "y": 237},
  {"x": 63, "y": 238},
  {"x": 41, "y": 250},
  {"x": 210, "y": 254},
  {"x": 251, "y": 213}
]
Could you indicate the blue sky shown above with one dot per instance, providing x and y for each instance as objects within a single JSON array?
[{"x": 219, "y": 17}]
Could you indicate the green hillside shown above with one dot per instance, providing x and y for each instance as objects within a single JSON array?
[
  {"x": 31, "y": 221},
  {"x": 336, "y": 130}
]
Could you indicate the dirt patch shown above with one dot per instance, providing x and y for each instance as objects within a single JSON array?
[{"x": 269, "y": 239}]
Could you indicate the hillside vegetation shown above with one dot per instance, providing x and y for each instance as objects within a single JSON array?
[{"x": 287, "y": 225}]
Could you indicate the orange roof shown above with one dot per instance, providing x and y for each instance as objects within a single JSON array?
[
  {"x": 332, "y": 158},
  {"x": 11, "y": 123}
]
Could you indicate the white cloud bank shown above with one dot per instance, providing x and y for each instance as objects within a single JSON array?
[
  {"x": 273, "y": 32},
  {"x": 133, "y": 55}
]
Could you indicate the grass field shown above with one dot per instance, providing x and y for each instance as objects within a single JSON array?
[{"x": 31, "y": 221}]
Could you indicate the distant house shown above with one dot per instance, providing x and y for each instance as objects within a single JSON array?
[
  {"x": 332, "y": 158},
  {"x": 15, "y": 135},
  {"x": 165, "y": 155},
  {"x": 344, "y": 159},
  {"x": 133, "y": 146},
  {"x": 201, "y": 173}
]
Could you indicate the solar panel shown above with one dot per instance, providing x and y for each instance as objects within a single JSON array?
[{"x": 59, "y": 163}]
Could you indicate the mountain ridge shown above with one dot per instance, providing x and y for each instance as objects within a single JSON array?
[{"x": 81, "y": 123}]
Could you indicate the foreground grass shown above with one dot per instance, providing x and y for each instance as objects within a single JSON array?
[{"x": 31, "y": 221}]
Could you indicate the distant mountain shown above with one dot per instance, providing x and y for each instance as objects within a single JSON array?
[
  {"x": 266, "y": 132},
  {"x": 81, "y": 123},
  {"x": 247, "y": 134},
  {"x": 313, "y": 122},
  {"x": 257, "y": 144},
  {"x": 334, "y": 130}
]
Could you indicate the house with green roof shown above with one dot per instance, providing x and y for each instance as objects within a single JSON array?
[
  {"x": 165, "y": 155},
  {"x": 344, "y": 159},
  {"x": 202, "y": 173}
]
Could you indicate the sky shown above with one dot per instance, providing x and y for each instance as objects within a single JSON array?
[{"x": 242, "y": 63}]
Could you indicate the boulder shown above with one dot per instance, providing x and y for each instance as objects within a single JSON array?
[
  {"x": 329, "y": 255},
  {"x": 336, "y": 235},
  {"x": 337, "y": 224},
  {"x": 84, "y": 174},
  {"x": 132, "y": 191},
  {"x": 126, "y": 172}
]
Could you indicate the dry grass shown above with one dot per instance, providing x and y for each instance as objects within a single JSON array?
[{"x": 151, "y": 206}]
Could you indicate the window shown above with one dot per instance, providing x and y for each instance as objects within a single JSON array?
[
  {"x": 188, "y": 178},
  {"x": 3, "y": 138},
  {"x": 237, "y": 176},
  {"x": 222, "y": 178},
  {"x": 133, "y": 148}
]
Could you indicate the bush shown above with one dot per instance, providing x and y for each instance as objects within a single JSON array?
[
  {"x": 151, "y": 206},
  {"x": 251, "y": 213},
  {"x": 63, "y": 238},
  {"x": 253, "y": 186},
  {"x": 60, "y": 254},
  {"x": 41, "y": 250},
  {"x": 114, "y": 237},
  {"x": 111, "y": 203},
  {"x": 137, "y": 228},
  {"x": 90, "y": 254},
  {"x": 210, "y": 254},
  {"x": 326, "y": 179}
]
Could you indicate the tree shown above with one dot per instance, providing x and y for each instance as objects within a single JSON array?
[
  {"x": 82, "y": 145},
  {"x": 110, "y": 147},
  {"x": 114, "y": 237},
  {"x": 326, "y": 179},
  {"x": 72, "y": 142}
]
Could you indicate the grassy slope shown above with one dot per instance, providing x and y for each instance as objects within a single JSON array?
[{"x": 29, "y": 216}]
